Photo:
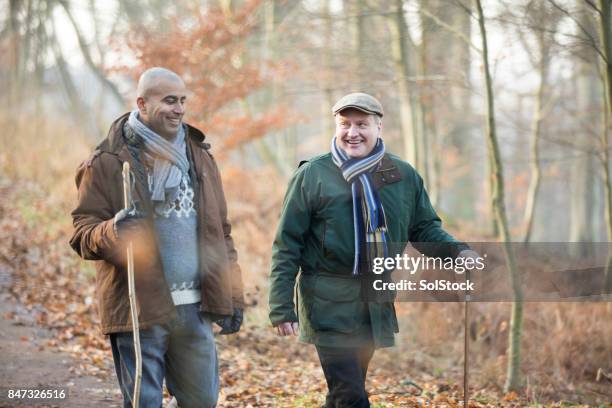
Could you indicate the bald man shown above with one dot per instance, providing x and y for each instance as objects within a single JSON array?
[{"x": 185, "y": 263}]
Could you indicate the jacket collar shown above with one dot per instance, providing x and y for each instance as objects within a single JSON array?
[{"x": 386, "y": 173}]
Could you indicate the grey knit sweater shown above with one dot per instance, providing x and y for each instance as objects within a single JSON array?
[{"x": 176, "y": 226}]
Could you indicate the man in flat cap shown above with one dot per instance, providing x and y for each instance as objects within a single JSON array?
[{"x": 340, "y": 211}]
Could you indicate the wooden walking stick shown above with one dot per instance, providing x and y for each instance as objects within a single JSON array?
[
  {"x": 127, "y": 202},
  {"x": 466, "y": 344}
]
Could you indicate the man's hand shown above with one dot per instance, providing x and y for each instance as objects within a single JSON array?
[
  {"x": 469, "y": 254},
  {"x": 231, "y": 324},
  {"x": 288, "y": 329},
  {"x": 127, "y": 223}
]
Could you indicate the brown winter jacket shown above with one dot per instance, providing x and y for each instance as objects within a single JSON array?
[{"x": 100, "y": 197}]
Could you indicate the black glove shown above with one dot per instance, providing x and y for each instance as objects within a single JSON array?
[
  {"x": 231, "y": 324},
  {"x": 127, "y": 222}
]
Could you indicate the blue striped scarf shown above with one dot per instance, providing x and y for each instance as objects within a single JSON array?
[{"x": 369, "y": 220}]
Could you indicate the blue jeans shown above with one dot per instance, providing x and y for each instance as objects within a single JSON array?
[{"x": 182, "y": 350}]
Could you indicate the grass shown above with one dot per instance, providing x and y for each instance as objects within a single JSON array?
[{"x": 308, "y": 401}]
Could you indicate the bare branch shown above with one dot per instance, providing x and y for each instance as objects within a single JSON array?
[
  {"x": 592, "y": 41},
  {"x": 593, "y": 6},
  {"x": 81, "y": 116},
  {"x": 87, "y": 56},
  {"x": 450, "y": 28},
  {"x": 465, "y": 8}
]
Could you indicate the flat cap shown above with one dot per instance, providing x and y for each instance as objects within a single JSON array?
[{"x": 360, "y": 101}]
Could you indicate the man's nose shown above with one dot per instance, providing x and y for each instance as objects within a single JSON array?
[
  {"x": 353, "y": 131},
  {"x": 179, "y": 108}
]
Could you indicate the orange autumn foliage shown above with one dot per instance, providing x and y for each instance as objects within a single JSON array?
[{"x": 210, "y": 52}]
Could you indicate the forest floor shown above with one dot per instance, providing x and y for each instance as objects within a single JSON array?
[
  {"x": 27, "y": 364},
  {"x": 49, "y": 336},
  {"x": 257, "y": 369}
]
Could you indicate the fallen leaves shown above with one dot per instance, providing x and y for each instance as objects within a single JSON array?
[
  {"x": 511, "y": 396},
  {"x": 257, "y": 368}
]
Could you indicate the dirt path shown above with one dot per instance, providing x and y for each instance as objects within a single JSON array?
[{"x": 26, "y": 363}]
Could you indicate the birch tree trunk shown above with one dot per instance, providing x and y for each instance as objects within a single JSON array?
[
  {"x": 497, "y": 178},
  {"x": 534, "y": 160},
  {"x": 536, "y": 130},
  {"x": 582, "y": 188}
]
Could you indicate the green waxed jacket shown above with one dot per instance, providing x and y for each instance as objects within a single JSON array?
[{"x": 316, "y": 236}]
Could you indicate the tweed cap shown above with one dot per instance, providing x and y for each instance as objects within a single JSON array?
[{"x": 360, "y": 101}]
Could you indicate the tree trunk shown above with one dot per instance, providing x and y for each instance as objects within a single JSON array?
[
  {"x": 326, "y": 115},
  {"x": 582, "y": 189},
  {"x": 606, "y": 45},
  {"x": 422, "y": 131},
  {"x": 359, "y": 42},
  {"x": 445, "y": 51},
  {"x": 497, "y": 178},
  {"x": 605, "y": 169},
  {"x": 282, "y": 154},
  {"x": 16, "y": 54},
  {"x": 536, "y": 129},
  {"x": 446, "y": 45},
  {"x": 431, "y": 138},
  {"x": 401, "y": 61}
]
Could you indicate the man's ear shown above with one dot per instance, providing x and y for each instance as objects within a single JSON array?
[{"x": 142, "y": 106}]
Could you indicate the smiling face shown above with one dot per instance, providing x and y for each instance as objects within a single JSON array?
[
  {"x": 163, "y": 105},
  {"x": 357, "y": 132}
]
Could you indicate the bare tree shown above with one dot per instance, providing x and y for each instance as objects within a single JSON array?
[
  {"x": 582, "y": 228},
  {"x": 403, "y": 68},
  {"x": 605, "y": 32},
  {"x": 97, "y": 70},
  {"x": 497, "y": 196},
  {"x": 539, "y": 20},
  {"x": 445, "y": 99},
  {"x": 592, "y": 47}
]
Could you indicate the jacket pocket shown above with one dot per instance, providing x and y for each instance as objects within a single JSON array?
[
  {"x": 325, "y": 240},
  {"x": 336, "y": 304},
  {"x": 337, "y": 243}
]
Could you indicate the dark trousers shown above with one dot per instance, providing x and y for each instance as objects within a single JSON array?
[{"x": 345, "y": 370}]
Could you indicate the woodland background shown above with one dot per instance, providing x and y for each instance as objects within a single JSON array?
[{"x": 510, "y": 135}]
